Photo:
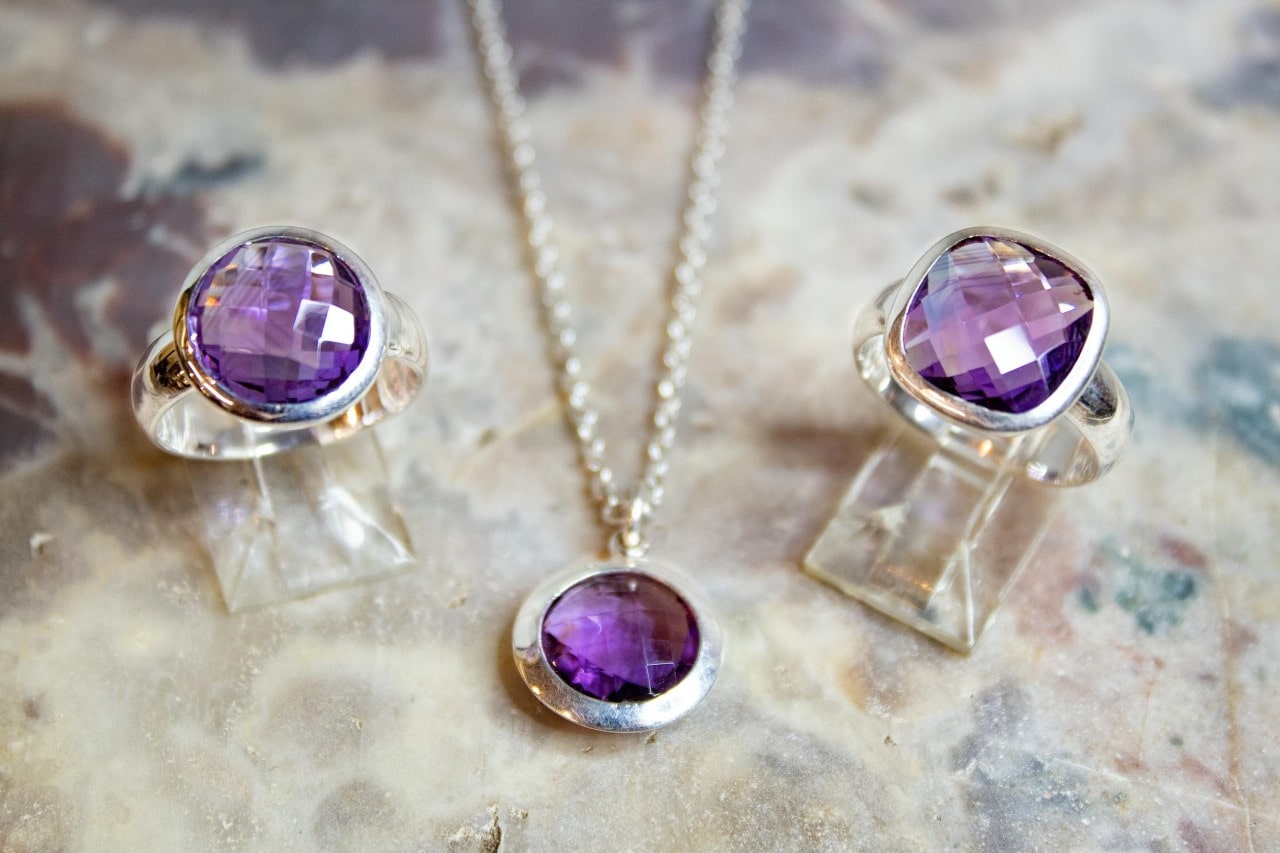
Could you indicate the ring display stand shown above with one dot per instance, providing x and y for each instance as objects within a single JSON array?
[
  {"x": 288, "y": 525},
  {"x": 933, "y": 536}
]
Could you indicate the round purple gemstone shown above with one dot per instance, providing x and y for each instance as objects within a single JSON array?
[
  {"x": 997, "y": 323},
  {"x": 278, "y": 320},
  {"x": 620, "y": 636}
]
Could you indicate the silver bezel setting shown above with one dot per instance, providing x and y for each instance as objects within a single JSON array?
[
  {"x": 322, "y": 408},
  {"x": 577, "y": 707},
  {"x": 963, "y": 412}
]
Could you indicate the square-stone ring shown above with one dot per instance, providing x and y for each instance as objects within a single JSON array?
[
  {"x": 282, "y": 337},
  {"x": 993, "y": 344}
]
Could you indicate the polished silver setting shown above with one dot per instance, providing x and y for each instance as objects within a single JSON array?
[
  {"x": 185, "y": 411},
  {"x": 1071, "y": 438},
  {"x": 577, "y": 707}
]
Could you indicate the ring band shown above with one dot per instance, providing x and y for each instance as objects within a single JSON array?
[
  {"x": 993, "y": 344},
  {"x": 282, "y": 337}
]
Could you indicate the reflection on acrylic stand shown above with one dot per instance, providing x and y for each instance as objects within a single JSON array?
[
  {"x": 932, "y": 537},
  {"x": 289, "y": 525}
]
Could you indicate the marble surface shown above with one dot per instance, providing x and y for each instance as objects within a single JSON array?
[{"x": 1127, "y": 697}]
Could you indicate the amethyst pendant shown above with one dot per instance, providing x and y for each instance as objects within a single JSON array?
[{"x": 617, "y": 647}]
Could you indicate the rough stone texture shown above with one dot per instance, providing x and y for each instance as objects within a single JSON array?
[{"x": 1124, "y": 698}]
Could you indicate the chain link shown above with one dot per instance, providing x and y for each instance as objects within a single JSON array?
[{"x": 623, "y": 509}]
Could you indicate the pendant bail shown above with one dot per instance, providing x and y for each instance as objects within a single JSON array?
[{"x": 628, "y": 541}]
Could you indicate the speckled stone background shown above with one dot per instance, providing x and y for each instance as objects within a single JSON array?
[{"x": 1126, "y": 698}]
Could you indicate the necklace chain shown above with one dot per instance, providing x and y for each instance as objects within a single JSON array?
[{"x": 625, "y": 510}]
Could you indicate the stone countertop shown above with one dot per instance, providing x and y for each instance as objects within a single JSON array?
[{"x": 1126, "y": 697}]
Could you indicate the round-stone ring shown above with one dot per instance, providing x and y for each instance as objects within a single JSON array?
[
  {"x": 993, "y": 344},
  {"x": 282, "y": 337}
]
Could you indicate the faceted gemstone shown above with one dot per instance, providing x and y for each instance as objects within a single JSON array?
[
  {"x": 997, "y": 323},
  {"x": 278, "y": 320},
  {"x": 620, "y": 636}
]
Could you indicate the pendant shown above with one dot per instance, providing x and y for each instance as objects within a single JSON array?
[{"x": 617, "y": 646}]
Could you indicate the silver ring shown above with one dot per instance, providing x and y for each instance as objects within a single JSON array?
[
  {"x": 281, "y": 337},
  {"x": 993, "y": 344}
]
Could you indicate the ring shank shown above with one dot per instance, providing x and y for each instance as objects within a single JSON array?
[
  {"x": 1076, "y": 448},
  {"x": 179, "y": 419}
]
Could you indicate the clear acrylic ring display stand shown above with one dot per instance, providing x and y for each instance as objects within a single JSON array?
[
  {"x": 932, "y": 536},
  {"x": 288, "y": 525}
]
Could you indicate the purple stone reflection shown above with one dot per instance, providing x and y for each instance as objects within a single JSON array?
[
  {"x": 997, "y": 323},
  {"x": 278, "y": 320},
  {"x": 620, "y": 637}
]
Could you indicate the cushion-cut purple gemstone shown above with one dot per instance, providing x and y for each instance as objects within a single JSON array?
[
  {"x": 278, "y": 320},
  {"x": 997, "y": 323},
  {"x": 620, "y": 636}
]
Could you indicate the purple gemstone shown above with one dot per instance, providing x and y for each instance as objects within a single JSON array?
[
  {"x": 278, "y": 320},
  {"x": 997, "y": 323},
  {"x": 620, "y": 637}
]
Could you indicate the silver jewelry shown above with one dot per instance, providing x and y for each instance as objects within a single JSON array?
[
  {"x": 559, "y": 669},
  {"x": 993, "y": 344},
  {"x": 281, "y": 337}
]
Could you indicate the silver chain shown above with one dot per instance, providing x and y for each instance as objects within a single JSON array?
[{"x": 625, "y": 510}]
